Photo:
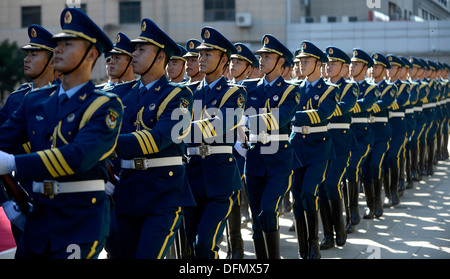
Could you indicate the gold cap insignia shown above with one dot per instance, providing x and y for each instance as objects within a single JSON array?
[
  {"x": 33, "y": 33},
  {"x": 191, "y": 45},
  {"x": 266, "y": 40},
  {"x": 355, "y": 53},
  {"x": 207, "y": 35},
  {"x": 118, "y": 39},
  {"x": 375, "y": 56},
  {"x": 330, "y": 51},
  {"x": 68, "y": 17},
  {"x": 303, "y": 46},
  {"x": 239, "y": 48},
  {"x": 144, "y": 26},
  {"x": 390, "y": 58}
]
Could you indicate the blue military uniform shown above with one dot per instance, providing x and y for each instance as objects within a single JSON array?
[
  {"x": 192, "y": 51},
  {"x": 218, "y": 108},
  {"x": 373, "y": 170},
  {"x": 430, "y": 111},
  {"x": 420, "y": 128},
  {"x": 70, "y": 144},
  {"x": 368, "y": 94},
  {"x": 314, "y": 148},
  {"x": 344, "y": 142},
  {"x": 153, "y": 187},
  {"x": 269, "y": 166}
]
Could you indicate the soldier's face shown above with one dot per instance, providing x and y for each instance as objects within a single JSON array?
[
  {"x": 208, "y": 60},
  {"x": 175, "y": 67},
  {"x": 238, "y": 66},
  {"x": 356, "y": 68},
  {"x": 413, "y": 71},
  {"x": 192, "y": 66},
  {"x": 68, "y": 53},
  {"x": 143, "y": 56},
  {"x": 334, "y": 69},
  {"x": 267, "y": 61},
  {"x": 34, "y": 62},
  {"x": 118, "y": 64},
  {"x": 377, "y": 70}
]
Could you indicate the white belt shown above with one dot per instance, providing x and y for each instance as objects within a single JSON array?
[
  {"x": 265, "y": 138},
  {"x": 439, "y": 103},
  {"x": 143, "y": 163},
  {"x": 50, "y": 188},
  {"x": 409, "y": 110},
  {"x": 360, "y": 120},
  {"x": 429, "y": 105},
  {"x": 396, "y": 114},
  {"x": 309, "y": 130},
  {"x": 418, "y": 109},
  {"x": 205, "y": 150},
  {"x": 374, "y": 119},
  {"x": 338, "y": 126}
]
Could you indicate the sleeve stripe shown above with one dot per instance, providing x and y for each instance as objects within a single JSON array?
[
  {"x": 146, "y": 142},
  {"x": 141, "y": 142},
  {"x": 311, "y": 118},
  {"x": 62, "y": 161},
  {"x": 316, "y": 116},
  {"x": 211, "y": 128},
  {"x": 273, "y": 122},
  {"x": 152, "y": 141},
  {"x": 47, "y": 164},
  {"x": 266, "y": 121},
  {"x": 205, "y": 130},
  {"x": 55, "y": 163}
]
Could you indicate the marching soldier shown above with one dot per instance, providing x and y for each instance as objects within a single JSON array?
[
  {"x": 72, "y": 129},
  {"x": 121, "y": 57},
  {"x": 192, "y": 68},
  {"x": 429, "y": 109},
  {"x": 344, "y": 142},
  {"x": 218, "y": 108},
  {"x": 446, "y": 86},
  {"x": 368, "y": 94},
  {"x": 405, "y": 159},
  {"x": 313, "y": 147},
  {"x": 270, "y": 164},
  {"x": 240, "y": 68},
  {"x": 415, "y": 73},
  {"x": 153, "y": 189},
  {"x": 176, "y": 66}
]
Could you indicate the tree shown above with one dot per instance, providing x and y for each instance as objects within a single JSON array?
[{"x": 11, "y": 68}]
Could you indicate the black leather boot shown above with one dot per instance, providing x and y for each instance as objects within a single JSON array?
[
  {"x": 394, "y": 186},
  {"x": 430, "y": 153},
  {"x": 401, "y": 177},
  {"x": 312, "y": 219},
  {"x": 355, "y": 218},
  {"x": 235, "y": 241},
  {"x": 369, "y": 193},
  {"x": 338, "y": 222},
  {"x": 377, "y": 184},
  {"x": 260, "y": 248},
  {"x": 272, "y": 240},
  {"x": 414, "y": 155},
  {"x": 445, "y": 153},
  {"x": 422, "y": 170},
  {"x": 409, "y": 179},
  {"x": 302, "y": 236},
  {"x": 327, "y": 225},
  {"x": 387, "y": 190}
]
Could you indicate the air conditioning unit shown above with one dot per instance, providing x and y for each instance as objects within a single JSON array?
[
  {"x": 243, "y": 19},
  {"x": 307, "y": 19}
]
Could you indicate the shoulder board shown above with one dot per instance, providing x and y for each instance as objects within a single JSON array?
[
  {"x": 329, "y": 83},
  {"x": 104, "y": 93},
  {"x": 126, "y": 83}
]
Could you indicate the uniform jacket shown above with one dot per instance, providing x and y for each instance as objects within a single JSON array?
[
  {"x": 382, "y": 130},
  {"x": 70, "y": 143}
]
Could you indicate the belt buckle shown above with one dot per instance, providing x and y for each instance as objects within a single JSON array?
[
  {"x": 305, "y": 130},
  {"x": 371, "y": 119},
  {"x": 264, "y": 138},
  {"x": 139, "y": 164},
  {"x": 50, "y": 188},
  {"x": 204, "y": 150}
]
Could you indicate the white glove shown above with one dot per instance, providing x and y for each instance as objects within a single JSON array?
[
  {"x": 14, "y": 214},
  {"x": 7, "y": 163},
  {"x": 241, "y": 150},
  {"x": 109, "y": 188}
]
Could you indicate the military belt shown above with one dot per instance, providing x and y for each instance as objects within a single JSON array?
[
  {"x": 429, "y": 105},
  {"x": 144, "y": 163},
  {"x": 374, "y": 119},
  {"x": 409, "y": 110},
  {"x": 360, "y": 120},
  {"x": 393, "y": 114},
  {"x": 205, "y": 150},
  {"x": 266, "y": 138},
  {"x": 309, "y": 130},
  {"x": 51, "y": 188},
  {"x": 338, "y": 126},
  {"x": 418, "y": 109}
]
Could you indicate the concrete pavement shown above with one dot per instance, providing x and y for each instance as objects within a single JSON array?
[{"x": 417, "y": 228}]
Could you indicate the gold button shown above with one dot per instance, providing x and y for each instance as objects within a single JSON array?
[
  {"x": 94, "y": 200},
  {"x": 304, "y": 107},
  {"x": 285, "y": 146},
  {"x": 70, "y": 133},
  {"x": 345, "y": 131},
  {"x": 384, "y": 124},
  {"x": 231, "y": 159},
  {"x": 365, "y": 128},
  {"x": 34, "y": 132},
  {"x": 170, "y": 173},
  {"x": 304, "y": 136},
  {"x": 324, "y": 139}
]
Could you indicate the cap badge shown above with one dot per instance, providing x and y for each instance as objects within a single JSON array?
[
  {"x": 67, "y": 17},
  {"x": 118, "y": 39},
  {"x": 303, "y": 46},
  {"x": 207, "y": 35},
  {"x": 144, "y": 26},
  {"x": 390, "y": 58},
  {"x": 355, "y": 53},
  {"x": 375, "y": 56},
  {"x": 191, "y": 45},
  {"x": 33, "y": 33},
  {"x": 239, "y": 48},
  {"x": 330, "y": 51},
  {"x": 266, "y": 40}
]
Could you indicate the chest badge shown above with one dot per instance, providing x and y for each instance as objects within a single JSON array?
[
  {"x": 71, "y": 117},
  {"x": 39, "y": 118},
  {"x": 214, "y": 102},
  {"x": 275, "y": 98},
  {"x": 152, "y": 107},
  {"x": 316, "y": 97}
]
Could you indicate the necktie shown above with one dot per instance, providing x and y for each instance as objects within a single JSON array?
[
  {"x": 62, "y": 98},
  {"x": 141, "y": 92},
  {"x": 267, "y": 88}
]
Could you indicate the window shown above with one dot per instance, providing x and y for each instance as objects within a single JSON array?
[
  {"x": 332, "y": 19},
  {"x": 82, "y": 7},
  {"x": 352, "y": 18},
  {"x": 31, "y": 15},
  {"x": 216, "y": 10},
  {"x": 130, "y": 12}
]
